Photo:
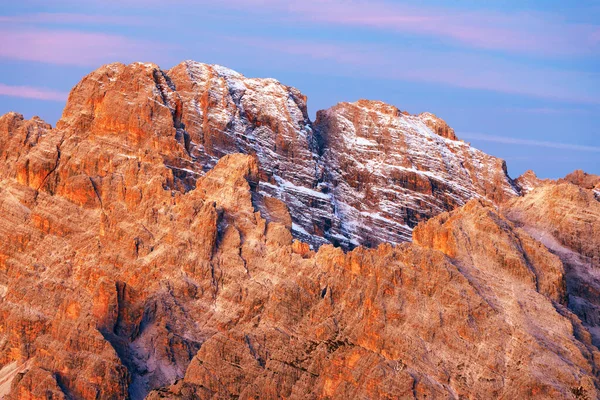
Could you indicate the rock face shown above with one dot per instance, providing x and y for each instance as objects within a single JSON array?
[
  {"x": 476, "y": 234},
  {"x": 437, "y": 125},
  {"x": 389, "y": 170},
  {"x": 408, "y": 341},
  {"x": 17, "y": 137},
  {"x": 224, "y": 112},
  {"x": 566, "y": 219},
  {"x": 139, "y": 258}
]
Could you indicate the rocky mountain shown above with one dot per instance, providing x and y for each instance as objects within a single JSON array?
[
  {"x": 141, "y": 255},
  {"x": 363, "y": 174}
]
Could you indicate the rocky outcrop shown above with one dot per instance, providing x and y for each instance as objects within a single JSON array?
[
  {"x": 582, "y": 179},
  {"x": 18, "y": 137},
  {"x": 529, "y": 181},
  {"x": 388, "y": 170},
  {"x": 437, "y": 125},
  {"x": 585, "y": 181}
]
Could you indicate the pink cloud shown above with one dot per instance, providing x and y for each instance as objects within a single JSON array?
[
  {"x": 519, "y": 32},
  {"x": 536, "y": 33},
  {"x": 315, "y": 50},
  {"x": 29, "y": 92},
  {"x": 71, "y": 18},
  {"x": 550, "y": 110},
  {"x": 74, "y": 47},
  {"x": 595, "y": 36},
  {"x": 528, "y": 142},
  {"x": 451, "y": 68}
]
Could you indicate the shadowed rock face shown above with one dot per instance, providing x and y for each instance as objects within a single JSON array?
[
  {"x": 476, "y": 234},
  {"x": 134, "y": 262},
  {"x": 566, "y": 219}
]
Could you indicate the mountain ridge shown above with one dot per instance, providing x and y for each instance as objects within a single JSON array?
[
  {"x": 142, "y": 258},
  {"x": 217, "y": 111}
]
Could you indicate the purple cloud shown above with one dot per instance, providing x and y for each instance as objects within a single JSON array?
[
  {"x": 518, "y": 32},
  {"x": 70, "y": 18},
  {"x": 528, "y": 142},
  {"x": 452, "y": 68},
  {"x": 74, "y": 47},
  {"x": 521, "y": 32},
  {"x": 550, "y": 110},
  {"x": 29, "y": 92}
]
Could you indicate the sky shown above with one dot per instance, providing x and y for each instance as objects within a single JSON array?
[{"x": 517, "y": 79}]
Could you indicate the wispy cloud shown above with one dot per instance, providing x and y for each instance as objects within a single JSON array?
[
  {"x": 74, "y": 47},
  {"x": 550, "y": 110},
  {"x": 72, "y": 18},
  {"x": 527, "y": 142},
  {"x": 29, "y": 92},
  {"x": 536, "y": 33},
  {"x": 452, "y": 68}
]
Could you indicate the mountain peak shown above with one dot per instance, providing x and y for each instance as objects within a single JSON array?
[
  {"x": 434, "y": 123},
  {"x": 438, "y": 125},
  {"x": 583, "y": 179},
  {"x": 363, "y": 173}
]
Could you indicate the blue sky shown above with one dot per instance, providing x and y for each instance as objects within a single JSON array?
[{"x": 518, "y": 79}]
